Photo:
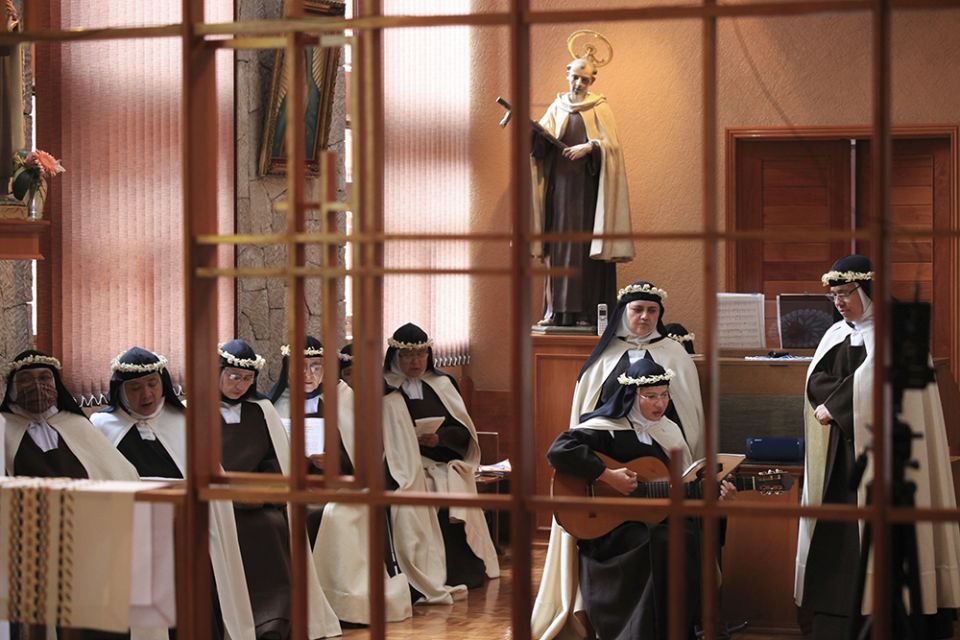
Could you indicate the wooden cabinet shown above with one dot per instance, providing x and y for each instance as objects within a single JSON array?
[{"x": 556, "y": 363}]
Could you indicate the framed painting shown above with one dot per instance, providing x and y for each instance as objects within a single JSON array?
[{"x": 322, "y": 64}]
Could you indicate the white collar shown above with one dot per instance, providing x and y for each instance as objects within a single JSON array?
[
  {"x": 640, "y": 424},
  {"x": 412, "y": 387},
  {"x": 231, "y": 412},
  {"x": 45, "y": 436}
]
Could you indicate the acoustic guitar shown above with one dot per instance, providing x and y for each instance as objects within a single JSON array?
[{"x": 652, "y": 482}]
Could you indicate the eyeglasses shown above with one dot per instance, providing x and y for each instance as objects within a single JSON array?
[
  {"x": 655, "y": 396},
  {"x": 841, "y": 295},
  {"x": 239, "y": 377},
  {"x": 312, "y": 368}
]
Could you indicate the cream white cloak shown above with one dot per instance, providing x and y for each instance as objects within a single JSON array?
[
  {"x": 558, "y": 611},
  {"x": 938, "y": 544},
  {"x": 101, "y": 459},
  {"x": 613, "y": 204},
  {"x": 458, "y": 476},
  {"x": 341, "y": 552},
  {"x": 416, "y": 530},
  {"x": 98, "y": 456},
  {"x": 684, "y": 387},
  {"x": 170, "y": 429}
]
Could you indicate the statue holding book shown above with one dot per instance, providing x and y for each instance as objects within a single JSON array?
[{"x": 579, "y": 185}]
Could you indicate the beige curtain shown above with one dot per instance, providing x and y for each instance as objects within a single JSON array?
[
  {"x": 117, "y": 245},
  {"x": 427, "y": 174}
]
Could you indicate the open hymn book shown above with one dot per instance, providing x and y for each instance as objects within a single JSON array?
[{"x": 726, "y": 464}]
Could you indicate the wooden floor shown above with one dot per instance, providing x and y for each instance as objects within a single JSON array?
[{"x": 484, "y": 615}]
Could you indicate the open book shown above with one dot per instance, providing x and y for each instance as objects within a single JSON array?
[
  {"x": 726, "y": 463},
  {"x": 425, "y": 426},
  {"x": 313, "y": 434}
]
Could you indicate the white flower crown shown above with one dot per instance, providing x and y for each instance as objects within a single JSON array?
[
  {"x": 16, "y": 365},
  {"x": 127, "y": 367},
  {"x": 686, "y": 338},
  {"x": 846, "y": 276},
  {"x": 310, "y": 352},
  {"x": 624, "y": 379},
  {"x": 645, "y": 288},
  {"x": 396, "y": 344},
  {"x": 243, "y": 363},
  {"x": 346, "y": 357}
]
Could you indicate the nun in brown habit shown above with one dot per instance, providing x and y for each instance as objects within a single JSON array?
[{"x": 254, "y": 441}]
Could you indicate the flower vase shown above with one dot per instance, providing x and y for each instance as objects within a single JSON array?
[{"x": 35, "y": 200}]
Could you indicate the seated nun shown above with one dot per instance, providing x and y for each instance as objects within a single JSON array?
[
  {"x": 46, "y": 433},
  {"x": 254, "y": 440},
  {"x": 449, "y": 455},
  {"x": 145, "y": 421},
  {"x": 346, "y": 363},
  {"x": 416, "y": 529},
  {"x": 623, "y": 574},
  {"x": 144, "y": 418},
  {"x": 339, "y": 532}
]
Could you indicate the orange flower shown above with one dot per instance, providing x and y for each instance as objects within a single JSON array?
[{"x": 46, "y": 163}]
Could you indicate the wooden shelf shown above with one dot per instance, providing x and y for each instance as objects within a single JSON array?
[{"x": 23, "y": 239}]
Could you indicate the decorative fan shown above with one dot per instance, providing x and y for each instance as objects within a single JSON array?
[{"x": 803, "y": 328}]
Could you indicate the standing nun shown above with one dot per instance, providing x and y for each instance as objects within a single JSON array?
[{"x": 838, "y": 414}]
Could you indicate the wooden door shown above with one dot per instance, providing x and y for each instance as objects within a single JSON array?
[
  {"x": 786, "y": 186},
  {"x": 919, "y": 201}
]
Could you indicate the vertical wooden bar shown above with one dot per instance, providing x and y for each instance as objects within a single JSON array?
[
  {"x": 331, "y": 317},
  {"x": 368, "y": 299},
  {"x": 296, "y": 323},
  {"x": 199, "y": 135},
  {"x": 879, "y": 239},
  {"x": 521, "y": 430},
  {"x": 711, "y": 382},
  {"x": 676, "y": 598}
]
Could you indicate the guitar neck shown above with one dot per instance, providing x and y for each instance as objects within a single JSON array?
[{"x": 692, "y": 490}]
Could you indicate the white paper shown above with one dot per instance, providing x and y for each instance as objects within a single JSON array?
[
  {"x": 313, "y": 434},
  {"x": 740, "y": 321},
  {"x": 427, "y": 426}
]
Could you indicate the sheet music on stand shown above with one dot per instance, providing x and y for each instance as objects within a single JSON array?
[{"x": 740, "y": 321}]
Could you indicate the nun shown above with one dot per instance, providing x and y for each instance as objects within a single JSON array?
[
  {"x": 345, "y": 356},
  {"x": 144, "y": 417},
  {"x": 838, "y": 411},
  {"x": 678, "y": 333},
  {"x": 46, "y": 433},
  {"x": 338, "y": 531},
  {"x": 254, "y": 441},
  {"x": 449, "y": 453},
  {"x": 623, "y": 574},
  {"x": 636, "y": 331}
]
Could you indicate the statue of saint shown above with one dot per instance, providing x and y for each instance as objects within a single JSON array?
[{"x": 579, "y": 185}]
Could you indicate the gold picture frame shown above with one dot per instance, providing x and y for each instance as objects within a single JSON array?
[{"x": 322, "y": 65}]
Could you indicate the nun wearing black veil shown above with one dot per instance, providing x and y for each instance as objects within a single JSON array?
[
  {"x": 449, "y": 455},
  {"x": 46, "y": 433},
  {"x": 145, "y": 420},
  {"x": 254, "y": 441},
  {"x": 838, "y": 411},
  {"x": 339, "y": 531},
  {"x": 636, "y": 331},
  {"x": 144, "y": 417},
  {"x": 623, "y": 574}
]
